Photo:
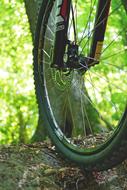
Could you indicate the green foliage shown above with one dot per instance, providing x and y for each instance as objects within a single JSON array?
[{"x": 18, "y": 114}]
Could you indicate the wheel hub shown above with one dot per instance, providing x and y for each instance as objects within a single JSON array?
[
  {"x": 76, "y": 61},
  {"x": 72, "y": 60}
]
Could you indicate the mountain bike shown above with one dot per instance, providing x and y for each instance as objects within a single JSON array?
[{"x": 80, "y": 65}]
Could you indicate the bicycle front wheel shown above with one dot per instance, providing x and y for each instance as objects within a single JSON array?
[{"x": 82, "y": 97}]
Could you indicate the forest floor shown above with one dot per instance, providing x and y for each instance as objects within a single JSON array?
[{"x": 39, "y": 167}]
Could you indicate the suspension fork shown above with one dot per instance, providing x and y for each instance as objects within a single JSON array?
[
  {"x": 101, "y": 18},
  {"x": 62, "y": 22}
]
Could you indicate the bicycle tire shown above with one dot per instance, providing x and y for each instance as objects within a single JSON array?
[{"x": 113, "y": 151}]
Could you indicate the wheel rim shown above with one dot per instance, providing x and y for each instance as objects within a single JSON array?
[{"x": 86, "y": 110}]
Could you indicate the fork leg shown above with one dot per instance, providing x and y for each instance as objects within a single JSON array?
[
  {"x": 103, "y": 9},
  {"x": 61, "y": 33}
]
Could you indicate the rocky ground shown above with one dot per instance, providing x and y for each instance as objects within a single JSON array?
[{"x": 39, "y": 167}]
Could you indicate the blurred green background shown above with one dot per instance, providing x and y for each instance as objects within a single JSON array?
[{"x": 18, "y": 115}]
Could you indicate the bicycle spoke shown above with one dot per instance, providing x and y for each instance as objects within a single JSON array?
[
  {"x": 114, "y": 85},
  {"x": 71, "y": 113},
  {"x": 87, "y": 118},
  {"x": 117, "y": 67},
  {"x": 74, "y": 25},
  {"x": 99, "y": 92},
  {"x": 82, "y": 110},
  {"x": 115, "y": 54},
  {"x": 84, "y": 31},
  {"x": 46, "y": 53},
  {"x": 49, "y": 39},
  {"x": 48, "y": 27},
  {"x": 92, "y": 103},
  {"x": 97, "y": 25},
  {"x": 106, "y": 98}
]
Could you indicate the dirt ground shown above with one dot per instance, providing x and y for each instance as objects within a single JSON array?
[{"x": 39, "y": 167}]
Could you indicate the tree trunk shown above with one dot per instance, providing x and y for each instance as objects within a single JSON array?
[
  {"x": 40, "y": 133},
  {"x": 32, "y": 10}
]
